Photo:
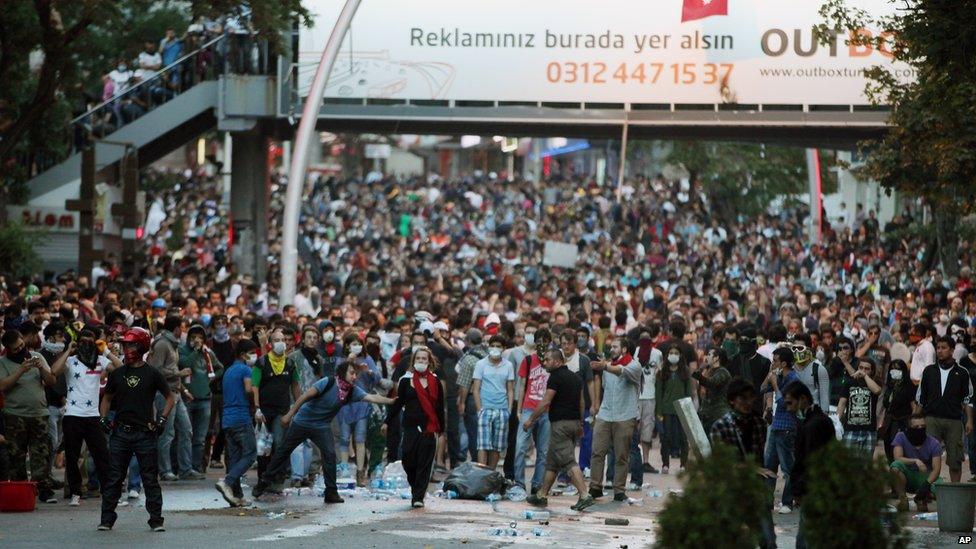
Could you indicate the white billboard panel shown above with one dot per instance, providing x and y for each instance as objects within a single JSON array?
[{"x": 630, "y": 51}]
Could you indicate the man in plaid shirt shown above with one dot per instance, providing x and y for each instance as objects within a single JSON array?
[
  {"x": 782, "y": 433},
  {"x": 744, "y": 430}
]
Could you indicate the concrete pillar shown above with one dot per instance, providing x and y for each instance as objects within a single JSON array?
[{"x": 249, "y": 203}]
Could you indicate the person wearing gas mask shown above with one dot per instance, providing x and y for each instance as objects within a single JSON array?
[
  {"x": 84, "y": 370},
  {"x": 331, "y": 349},
  {"x": 131, "y": 392},
  {"x": 277, "y": 384},
  {"x": 205, "y": 368},
  {"x": 23, "y": 376}
]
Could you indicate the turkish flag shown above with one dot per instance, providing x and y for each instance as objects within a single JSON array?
[{"x": 700, "y": 9}]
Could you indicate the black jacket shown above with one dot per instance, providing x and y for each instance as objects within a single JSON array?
[
  {"x": 944, "y": 404},
  {"x": 413, "y": 413},
  {"x": 815, "y": 431}
]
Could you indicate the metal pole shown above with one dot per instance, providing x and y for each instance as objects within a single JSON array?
[
  {"x": 816, "y": 195},
  {"x": 623, "y": 156},
  {"x": 296, "y": 172}
]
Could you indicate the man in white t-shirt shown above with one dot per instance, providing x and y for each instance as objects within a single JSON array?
[{"x": 83, "y": 371}]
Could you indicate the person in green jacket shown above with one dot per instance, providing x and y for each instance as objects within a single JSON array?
[
  {"x": 205, "y": 368},
  {"x": 714, "y": 379},
  {"x": 673, "y": 383}
]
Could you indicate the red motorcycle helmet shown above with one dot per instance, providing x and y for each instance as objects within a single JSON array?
[{"x": 135, "y": 344}]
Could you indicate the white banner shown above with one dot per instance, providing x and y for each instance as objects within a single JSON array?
[
  {"x": 632, "y": 51},
  {"x": 560, "y": 254}
]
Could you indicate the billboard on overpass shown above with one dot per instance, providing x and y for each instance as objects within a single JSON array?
[{"x": 620, "y": 51}]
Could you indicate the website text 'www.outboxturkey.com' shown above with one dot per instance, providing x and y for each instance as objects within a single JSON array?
[{"x": 822, "y": 72}]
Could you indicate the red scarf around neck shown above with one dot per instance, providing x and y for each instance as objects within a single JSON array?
[{"x": 428, "y": 399}]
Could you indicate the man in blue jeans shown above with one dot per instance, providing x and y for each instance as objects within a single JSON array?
[
  {"x": 532, "y": 390},
  {"x": 237, "y": 423},
  {"x": 782, "y": 433},
  {"x": 204, "y": 367},
  {"x": 164, "y": 356},
  {"x": 313, "y": 414}
]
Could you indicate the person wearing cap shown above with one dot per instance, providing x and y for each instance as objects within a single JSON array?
[
  {"x": 474, "y": 352},
  {"x": 165, "y": 357},
  {"x": 205, "y": 369}
]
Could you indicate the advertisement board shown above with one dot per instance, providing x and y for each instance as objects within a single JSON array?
[{"x": 622, "y": 51}]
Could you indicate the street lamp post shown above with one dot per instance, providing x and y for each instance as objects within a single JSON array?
[{"x": 299, "y": 160}]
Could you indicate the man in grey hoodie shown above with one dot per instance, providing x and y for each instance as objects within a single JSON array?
[{"x": 165, "y": 357}]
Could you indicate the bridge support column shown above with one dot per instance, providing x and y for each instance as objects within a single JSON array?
[{"x": 249, "y": 203}]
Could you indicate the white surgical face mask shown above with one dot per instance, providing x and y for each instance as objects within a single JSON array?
[
  {"x": 495, "y": 352},
  {"x": 420, "y": 366},
  {"x": 530, "y": 339},
  {"x": 278, "y": 347},
  {"x": 699, "y": 323},
  {"x": 895, "y": 375},
  {"x": 355, "y": 349},
  {"x": 673, "y": 359},
  {"x": 250, "y": 359},
  {"x": 328, "y": 337}
]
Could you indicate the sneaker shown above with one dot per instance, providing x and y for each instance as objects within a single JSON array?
[
  {"x": 193, "y": 474},
  {"x": 332, "y": 496},
  {"x": 259, "y": 489},
  {"x": 785, "y": 509},
  {"x": 133, "y": 494},
  {"x": 47, "y": 496},
  {"x": 104, "y": 527},
  {"x": 75, "y": 501},
  {"x": 122, "y": 503},
  {"x": 583, "y": 503},
  {"x": 648, "y": 468},
  {"x": 169, "y": 477},
  {"x": 157, "y": 528},
  {"x": 620, "y": 497},
  {"x": 596, "y": 493},
  {"x": 665, "y": 470},
  {"x": 228, "y": 493},
  {"x": 537, "y": 500},
  {"x": 417, "y": 505}
]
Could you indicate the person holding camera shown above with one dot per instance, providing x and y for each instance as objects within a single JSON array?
[
  {"x": 23, "y": 376},
  {"x": 131, "y": 390}
]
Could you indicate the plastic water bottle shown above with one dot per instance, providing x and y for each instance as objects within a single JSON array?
[
  {"x": 540, "y": 533},
  {"x": 319, "y": 488},
  {"x": 516, "y": 493},
  {"x": 493, "y": 500},
  {"x": 449, "y": 494},
  {"x": 536, "y": 515},
  {"x": 503, "y": 532}
]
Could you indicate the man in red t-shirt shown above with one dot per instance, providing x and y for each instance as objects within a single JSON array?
[{"x": 534, "y": 377}]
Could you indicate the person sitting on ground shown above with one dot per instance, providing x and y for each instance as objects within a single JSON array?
[{"x": 917, "y": 464}]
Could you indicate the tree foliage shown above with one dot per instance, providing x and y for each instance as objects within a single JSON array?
[
  {"x": 930, "y": 150},
  {"x": 720, "y": 505},
  {"x": 18, "y": 250},
  {"x": 744, "y": 178},
  {"x": 53, "y": 52},
  {"x": 846, "y": 503}
]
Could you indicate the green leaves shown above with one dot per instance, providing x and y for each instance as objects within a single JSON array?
[{"x": 721, "y": 505}]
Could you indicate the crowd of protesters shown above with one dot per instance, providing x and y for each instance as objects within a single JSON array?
[{"x": 429, "y": 328}]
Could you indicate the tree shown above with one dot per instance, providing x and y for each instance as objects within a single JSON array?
[
  {"x": 720, "y": 505},
  {"x": 18, "y": 250},
  {"x": 744, "y": 178},
  {"x": 930, "y": 149},
  {"x": 846, "y": 503},
  {"x": 54, "y": 51}
]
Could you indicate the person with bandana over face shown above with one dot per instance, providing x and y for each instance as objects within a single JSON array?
[
  {"x": 205, "y": 368},
  {"x": 84, "y": 370},
  {"x": 353, "y": 418},
  {"x": 420, "y": 395},
  {"x": 310, "y": 418},
  {"x": 309, "y": 363},
  {"x": 917, "y": 464},
  {"x": 23, "y": 376},
  {"x": 131, "y": 391}
]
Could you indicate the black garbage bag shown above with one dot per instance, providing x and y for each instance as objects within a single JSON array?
[{"x": 471, "y": 481}]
